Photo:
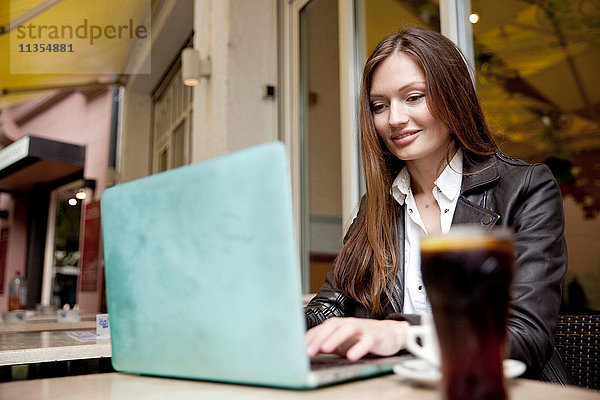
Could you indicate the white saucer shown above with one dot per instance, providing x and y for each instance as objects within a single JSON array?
[{"x": 421, "y": 371}]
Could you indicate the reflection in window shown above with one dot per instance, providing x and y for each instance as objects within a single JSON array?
[
  {"x": 537, "y": 66},
  {"x": 384, "y": 17},
  {"x": 321, "y": 163},
  {"x": 66, "y": 253}
]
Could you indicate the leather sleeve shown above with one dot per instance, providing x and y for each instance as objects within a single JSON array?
[
  {"x": 412, "y": 319},
  {"x": 328, "y": 303},
  {"x": 540, "y": 265}
]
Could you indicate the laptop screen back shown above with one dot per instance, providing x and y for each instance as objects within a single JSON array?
[{"x": 202, "y": 272}]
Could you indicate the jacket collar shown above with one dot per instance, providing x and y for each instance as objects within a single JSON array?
[
  {"x": 479, "y": 173},
  {"x": 469, "y": 209}
]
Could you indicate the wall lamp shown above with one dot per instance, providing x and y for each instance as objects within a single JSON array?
[
  {"x": 193, "y": 67},
  {"x": 81, "y": 193}
]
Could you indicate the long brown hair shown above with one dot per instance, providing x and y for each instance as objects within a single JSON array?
[{"x": 367, "y": 262}]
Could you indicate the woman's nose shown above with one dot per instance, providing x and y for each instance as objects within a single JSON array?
[{"x": 398, "y": 115}]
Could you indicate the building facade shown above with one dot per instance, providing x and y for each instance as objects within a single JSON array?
[
  {"x": 290, "y": 70},
  {"x": 56, "y": 148}
]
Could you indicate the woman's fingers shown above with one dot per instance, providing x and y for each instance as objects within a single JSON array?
[
  {"x": 361, "y": 348},
  {"x": 346, "y": 334},
  {"x": 316, "y": 337},
  {"x": 356, "y": 337}
]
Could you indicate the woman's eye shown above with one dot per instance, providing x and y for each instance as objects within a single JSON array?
[
  {"x": 415, "y": 97},
  {"x": 376, "y": 108}
]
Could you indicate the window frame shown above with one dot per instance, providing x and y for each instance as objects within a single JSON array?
[
  {"x": 172, "y": 106},
  {"x": 352, "y": 44}
]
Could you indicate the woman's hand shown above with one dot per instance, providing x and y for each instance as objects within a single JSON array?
[{"x": 356, "y": 337}]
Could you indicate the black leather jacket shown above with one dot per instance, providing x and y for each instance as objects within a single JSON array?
[{"x": 500, "y": 190}]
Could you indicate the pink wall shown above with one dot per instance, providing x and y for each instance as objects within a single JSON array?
[
  {"x": 16, "y": 255},
  {"x": 79, "y": 121},
  {"x": 80, "y": 118}
]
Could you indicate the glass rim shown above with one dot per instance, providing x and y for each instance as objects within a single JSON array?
[{"x": 468, "y": 236}]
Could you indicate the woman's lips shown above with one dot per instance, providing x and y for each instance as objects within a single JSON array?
[{"x": 405, "y": 136}]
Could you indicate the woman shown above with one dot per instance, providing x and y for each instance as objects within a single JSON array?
[{"x": 431, "y": 161}]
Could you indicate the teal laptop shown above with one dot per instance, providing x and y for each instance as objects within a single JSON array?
[{"x": 203, "y": 277}]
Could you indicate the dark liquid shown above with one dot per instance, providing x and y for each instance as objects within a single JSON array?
[{"x": 469, "y": 291}]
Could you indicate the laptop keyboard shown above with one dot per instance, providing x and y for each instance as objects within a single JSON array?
[{"x": 322, "y": 361}]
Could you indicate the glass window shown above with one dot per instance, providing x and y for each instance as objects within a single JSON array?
[
  {"x": 383, "y": 17},
  {"x": 536, "y": 71},
  {"x": 162, "y": 161},
  {"x": 63, "y": 270},
  {"x": 172, "y": 110},
  {"x": 321, "y": 158},
  {"x": 178, "y": 146}
]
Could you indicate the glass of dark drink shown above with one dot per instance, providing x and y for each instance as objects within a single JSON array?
[{"x": 467, "y": 274}]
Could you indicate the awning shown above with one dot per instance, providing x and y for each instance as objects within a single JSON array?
[
  {"x": 53, "y": 44},
  {"x": 32, "y": 160}
]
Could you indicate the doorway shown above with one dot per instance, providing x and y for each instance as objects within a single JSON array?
[{"x": 62, "y": 255}]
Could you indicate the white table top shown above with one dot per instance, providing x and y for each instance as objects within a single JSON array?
[
  {"x": 48, "y": 323},
  {"x": 120, "y": 386},
  {"x": 47, "y": 346}
]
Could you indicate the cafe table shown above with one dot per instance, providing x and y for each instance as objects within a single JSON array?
[
  {"x": 42, "y": 339},
  {"x": 50, "y": 346},
  {"x": 42, "y": 347},
  {"x": 121, "y": 386},
  {"x": 38, "y": 323}
]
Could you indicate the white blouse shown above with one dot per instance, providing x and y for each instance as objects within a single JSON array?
[{"x": 446, "y": 192}]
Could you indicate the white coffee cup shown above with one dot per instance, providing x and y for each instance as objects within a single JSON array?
[{"x": 422, "y": 341}]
